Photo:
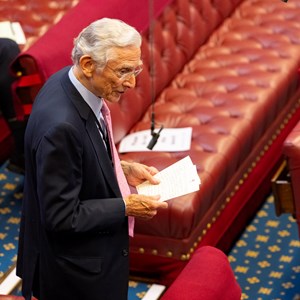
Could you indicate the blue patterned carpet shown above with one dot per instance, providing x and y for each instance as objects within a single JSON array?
[
  {"x": 10, "y": 210},
  {"x": 266, "y": 259}
]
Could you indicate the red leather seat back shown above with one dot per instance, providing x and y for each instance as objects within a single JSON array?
[
  {"x": 177, "y": 34},
  {"x": 207, "y": 276}
]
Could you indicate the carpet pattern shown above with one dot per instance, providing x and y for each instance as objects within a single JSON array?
[
  {"x": 10, "y": 212},
  {"x": 266, "y": 258}
]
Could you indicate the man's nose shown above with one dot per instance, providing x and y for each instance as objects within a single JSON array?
[{"x": 130, "y": 82}]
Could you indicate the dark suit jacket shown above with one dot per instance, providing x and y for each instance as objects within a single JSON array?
[{"x": 74, "y": 234}]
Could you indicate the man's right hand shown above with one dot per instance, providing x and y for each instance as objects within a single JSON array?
[{"x": 142, "y": 206}]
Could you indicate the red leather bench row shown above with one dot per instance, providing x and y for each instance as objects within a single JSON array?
[
  {"x": 226, "y": 69},
  {"x": 240, "y": 95},
  {"x": 207, "y": 276}
]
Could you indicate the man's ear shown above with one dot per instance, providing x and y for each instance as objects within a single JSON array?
[{"x": 87, "y": 65}]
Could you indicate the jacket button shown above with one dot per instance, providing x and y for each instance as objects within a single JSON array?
[{"x": 125, "y": 252}]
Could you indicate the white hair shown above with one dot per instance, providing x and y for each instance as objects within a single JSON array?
[{"x": 98, "y": 39}]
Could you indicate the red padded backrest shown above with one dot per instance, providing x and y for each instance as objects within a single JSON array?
[
  {"x": 207, "y": 276},
  {"x": 178, "y": 33}
]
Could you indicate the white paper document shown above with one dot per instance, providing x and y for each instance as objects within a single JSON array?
[
  {"x": 179, "y": 179},
  {"x": 170, "y": 140},
  {"x": 13, "y": 31}
]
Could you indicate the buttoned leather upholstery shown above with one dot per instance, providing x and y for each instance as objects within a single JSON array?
[{"x": 236, "y": 93}]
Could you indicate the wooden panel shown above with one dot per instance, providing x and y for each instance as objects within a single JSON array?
[{"x": 282, "y": 190}]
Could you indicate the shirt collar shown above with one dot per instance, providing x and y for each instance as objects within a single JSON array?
[{"x": 94, "y": 102}]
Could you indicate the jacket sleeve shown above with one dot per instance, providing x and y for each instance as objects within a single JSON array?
[{"x": 59, "y": 161}]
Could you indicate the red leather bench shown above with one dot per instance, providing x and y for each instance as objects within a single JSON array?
[
  {"x": 228, "y": 69},
  {"x": 240, "y": 93},
  {"x": 207, "y": 276}
]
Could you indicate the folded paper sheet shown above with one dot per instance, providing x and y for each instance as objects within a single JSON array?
[
  {"x": 179, "y": 179},
  {"x": 170, "y": 140}
]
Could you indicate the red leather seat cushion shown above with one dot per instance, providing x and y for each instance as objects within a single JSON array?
[{"x": 208, "y": 276}]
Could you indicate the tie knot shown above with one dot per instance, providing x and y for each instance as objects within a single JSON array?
[{"x": 103, "y": 108}]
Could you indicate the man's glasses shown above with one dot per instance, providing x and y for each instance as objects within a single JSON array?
[{"x": 126, "y": 73}]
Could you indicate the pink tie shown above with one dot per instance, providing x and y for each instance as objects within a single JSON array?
[{"x": 125, "y": 190}]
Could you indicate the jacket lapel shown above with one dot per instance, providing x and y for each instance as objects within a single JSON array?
[
  {"x": 93, "y": 132},
  {"x": 101, "y": 152}
]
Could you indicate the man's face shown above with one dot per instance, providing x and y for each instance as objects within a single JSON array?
[{"x": 118, "y": 75}]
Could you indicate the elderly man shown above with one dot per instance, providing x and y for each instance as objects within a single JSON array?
[{"x": 78, "y": 210}]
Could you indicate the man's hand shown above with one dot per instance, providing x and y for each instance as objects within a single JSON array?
[
  {"x": 142, "y": 206},
  {"x": 137, "y": 173}
]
